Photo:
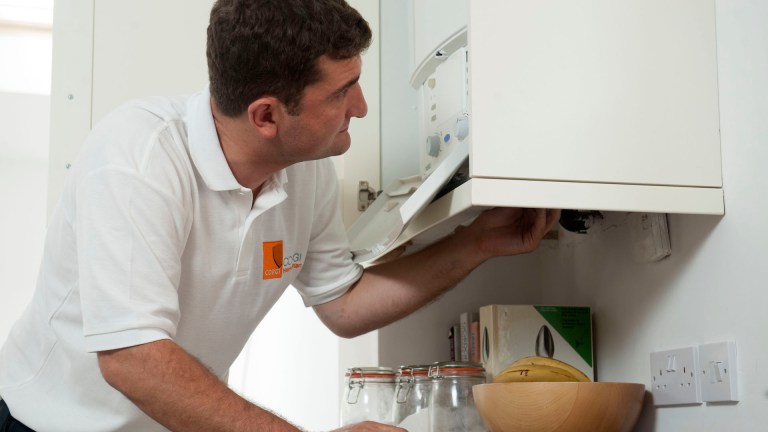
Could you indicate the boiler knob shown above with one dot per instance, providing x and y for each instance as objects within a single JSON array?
[
  {"x": 433, "y": 145},
  {"x": 461, "y": 128}
]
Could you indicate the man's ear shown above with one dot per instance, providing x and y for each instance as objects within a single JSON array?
[{"x": 264, "y": 114}]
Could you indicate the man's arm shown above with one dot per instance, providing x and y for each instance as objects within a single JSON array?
[
  {"x": 390, "y": 291},
  {"x": 177, "y": 391}
]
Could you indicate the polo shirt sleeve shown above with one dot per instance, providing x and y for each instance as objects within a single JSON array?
[
  {"x": 130, "y": 235},
  {"x": 328, "y": 271}
]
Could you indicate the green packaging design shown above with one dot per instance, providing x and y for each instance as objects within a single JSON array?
[{"x": 510, "y": 332}]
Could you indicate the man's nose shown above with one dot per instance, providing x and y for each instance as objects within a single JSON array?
[{"x": 357, "y": 105}]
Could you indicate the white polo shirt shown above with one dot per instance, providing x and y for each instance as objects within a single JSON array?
[{"x": 155, "y": 239}]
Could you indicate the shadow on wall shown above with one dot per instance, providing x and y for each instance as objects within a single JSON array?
[
  {"x": 600, "y": 269},
  {"x": 627, "y": 295},
  {"x": 647, "y": 420},
  {"x": 422, "y": 338}
]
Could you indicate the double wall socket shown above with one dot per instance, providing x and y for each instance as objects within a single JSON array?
[
  {"x": 675, "y": 377},
  {"x": 693, "y": 375}
]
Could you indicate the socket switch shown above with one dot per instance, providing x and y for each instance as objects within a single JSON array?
[
  {"x": 717, "y": 362},
  {"x": 675, "y": 377}
]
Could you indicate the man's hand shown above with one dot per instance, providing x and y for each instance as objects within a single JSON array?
[
  {"x": 369, "y": 426},
  {"x": 509, "y": 231}
]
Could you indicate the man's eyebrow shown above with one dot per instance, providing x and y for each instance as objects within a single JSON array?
[{"x": 346, "y": 85}]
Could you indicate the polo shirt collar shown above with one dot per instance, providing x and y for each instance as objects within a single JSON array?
[{"x": 205, "y": 148}]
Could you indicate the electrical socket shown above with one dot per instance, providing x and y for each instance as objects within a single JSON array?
[
  {"x": 717, "y": 362},
  {"x": 675, "y": 377}
]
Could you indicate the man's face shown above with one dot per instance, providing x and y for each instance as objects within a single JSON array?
[{"x": 321, "y": 127}]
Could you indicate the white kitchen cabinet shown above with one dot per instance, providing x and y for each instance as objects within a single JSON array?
[
  {"x": 617, "y": 95},
  {"x": 589, "y": 105}
]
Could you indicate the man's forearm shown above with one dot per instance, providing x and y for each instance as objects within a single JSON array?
[
  {"x": 177, "y": 391},
  {"x": 392, "y": 290}
]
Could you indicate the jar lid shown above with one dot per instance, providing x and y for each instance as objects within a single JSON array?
[
  {"x": 371, "y": 372},
  {"x": 414, "y": 373},
  {"x": 414, "y": 370},
  {"x": 453, "y": 369}
]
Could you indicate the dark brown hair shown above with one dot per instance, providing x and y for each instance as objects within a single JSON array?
[{"x": 262, "y": 48}]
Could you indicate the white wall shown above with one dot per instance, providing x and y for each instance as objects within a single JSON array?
[
  {"x": 422, "y": 338},
  {"x": 712, "y": 288}
]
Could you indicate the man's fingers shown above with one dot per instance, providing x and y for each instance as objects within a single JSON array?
[{"x": 553, "y": 217}]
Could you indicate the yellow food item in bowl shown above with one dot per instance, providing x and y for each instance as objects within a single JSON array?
[{"x": 540, "y": 369}]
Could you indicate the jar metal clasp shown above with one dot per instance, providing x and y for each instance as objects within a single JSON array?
[
  {"x": 355, "y": 385},
  {"x": 434, "y": 371},
  {"x": 404, "y": 387}
]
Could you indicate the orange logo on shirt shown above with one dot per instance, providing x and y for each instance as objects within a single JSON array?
[{"x": 273, "y": 260}]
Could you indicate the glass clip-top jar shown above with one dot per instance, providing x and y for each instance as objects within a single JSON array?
[
  {"x": 410, "y": 409},
  {"x": 368, "y": 395},
  {"x": 451, "y": 403}
]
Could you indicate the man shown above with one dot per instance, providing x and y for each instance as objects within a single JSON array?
[{"x": 165, "y": 251}]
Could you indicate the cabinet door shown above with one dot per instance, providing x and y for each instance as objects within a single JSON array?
[
  {"x": 147, "y": 48},
  {"x": 106, "y": 53},
  {"x": 595, "y": 91},
  {"x": 361, "y": 161}
]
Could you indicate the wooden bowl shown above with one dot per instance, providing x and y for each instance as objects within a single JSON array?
[{"x": 559, "y": 406}]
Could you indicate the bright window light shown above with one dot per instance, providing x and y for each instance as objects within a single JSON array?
[{"x": 26, "y": 13}]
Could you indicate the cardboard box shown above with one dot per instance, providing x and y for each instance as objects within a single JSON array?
[{"x": 510, "y": 332}]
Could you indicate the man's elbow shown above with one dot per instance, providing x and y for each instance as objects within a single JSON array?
[
  {"x": 120, "y": 367},
  {"x": 109, "y": 367},
  {"x": 341, "y": 327},
  {"x": 347, "y": 333}
]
